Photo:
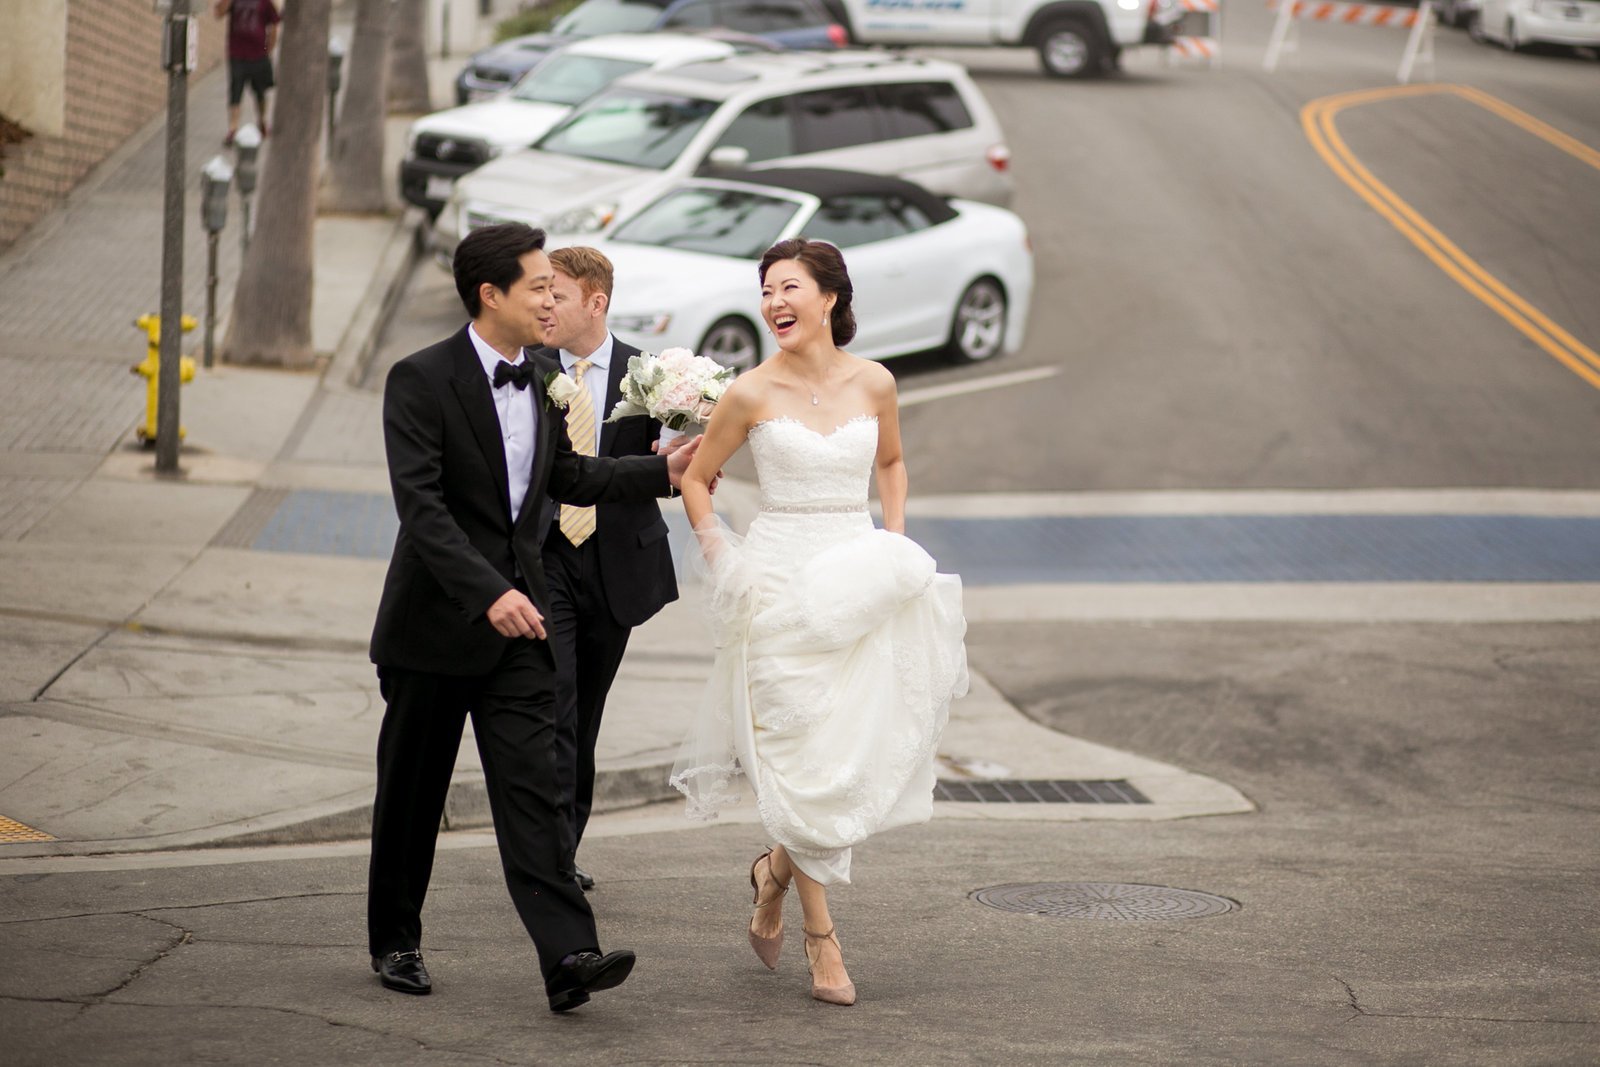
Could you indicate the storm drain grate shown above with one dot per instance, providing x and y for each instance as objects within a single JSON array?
[
  {"x": 1038, "y": 791},
  {"x": 1104, "y": 900}
]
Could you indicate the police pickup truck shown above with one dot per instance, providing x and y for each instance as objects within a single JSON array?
[{"x": 1074, "y": 38}]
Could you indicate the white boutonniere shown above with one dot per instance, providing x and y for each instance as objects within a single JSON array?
[{"x": 560, "y": 389}]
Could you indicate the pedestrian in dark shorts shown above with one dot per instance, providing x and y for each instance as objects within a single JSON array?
[{"x": 252, "y": 33}]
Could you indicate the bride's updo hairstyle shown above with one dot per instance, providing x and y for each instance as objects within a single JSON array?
[{"x": 825, "y": 264}]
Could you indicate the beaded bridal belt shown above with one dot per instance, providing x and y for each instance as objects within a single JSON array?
[{"x": 813, "y": 509}]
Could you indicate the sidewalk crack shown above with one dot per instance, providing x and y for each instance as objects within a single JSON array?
[
  {"x": 1360, "y": 1012},
  {"x": 181, "y": 937}
]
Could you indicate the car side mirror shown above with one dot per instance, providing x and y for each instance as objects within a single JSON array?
[{"x": 727, "y": 157}]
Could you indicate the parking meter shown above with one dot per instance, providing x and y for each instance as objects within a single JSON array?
[
  {"x": 246, "y": 148},
  {"x": 336, "y": 51},
  {"x": 215, "y": 177},
  {"x": 335, "y": 78}
]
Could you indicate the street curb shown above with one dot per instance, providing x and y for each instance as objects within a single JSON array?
[
  {"x": 466, "y": 807},
  {"x": 378, "y": 303}
]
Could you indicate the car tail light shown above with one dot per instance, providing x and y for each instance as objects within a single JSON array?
[
  {"x": 999, "y": 157},
  {"x": 837, "y": 34}
]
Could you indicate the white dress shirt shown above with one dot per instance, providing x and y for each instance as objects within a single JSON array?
[
  {"x": 597, "y": 378},
  {"x": 518, "y": 422}
]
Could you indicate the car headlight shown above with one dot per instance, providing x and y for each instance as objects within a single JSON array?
[
  {"x": 585, "y": 219},
  {"x": 647, "y": 323}
]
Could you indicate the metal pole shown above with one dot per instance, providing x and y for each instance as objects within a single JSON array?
[
  {"x": 168, "y": 379},
  {"x": 211, "y": 297}
]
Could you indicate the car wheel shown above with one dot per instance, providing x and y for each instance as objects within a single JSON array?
[
  {"x": 732, "y": 342},
  {"x": 978, "y": 328},
  {"x": 1069, "y": 49}
]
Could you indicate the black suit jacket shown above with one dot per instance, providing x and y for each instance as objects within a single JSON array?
[
  {"x": 635, "y": 556},
  {"x": 458, "y": 550}
]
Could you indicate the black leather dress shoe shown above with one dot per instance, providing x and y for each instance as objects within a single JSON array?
[
  {"x": 403, "y": 972},
  {"x": 583, "y": 973},
  {"x": 584, "y": 879}
]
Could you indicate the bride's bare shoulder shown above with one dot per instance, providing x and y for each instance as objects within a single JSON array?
[
  {"x": 873, "y": 375},
  {"x": 746, "y": 394}
]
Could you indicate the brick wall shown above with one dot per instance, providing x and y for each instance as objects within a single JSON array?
[{"x": 114, "y": 86}]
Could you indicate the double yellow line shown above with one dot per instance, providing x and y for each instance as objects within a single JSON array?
[{"x": 1317, "y": 118}]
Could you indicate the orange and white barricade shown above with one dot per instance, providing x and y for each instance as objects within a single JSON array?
[
  {"x": 1419, "y": 45},
  {"x": 1206, "y": 45}
]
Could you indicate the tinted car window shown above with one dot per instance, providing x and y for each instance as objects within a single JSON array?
[
  {"x": 570, "y": 79},
  {"x": 767, "y": 16},
  {"x": 912, "y": 217},
  {"x": 836, "y": 118},
  {"x": 859, "y": 219},
  {"x": 596, "y": 17},
  {"x": 914, "y": 109},
  {"x": 641, "y": 129},
  {"x": 763, "y": 129},
  {"x": 701, "y": 15},
  {"x": 718, "y": 221}
]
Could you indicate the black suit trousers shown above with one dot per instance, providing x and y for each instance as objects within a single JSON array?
[
  {"x": 513, "y": 709},
  {"x": 588, "y": 644}
]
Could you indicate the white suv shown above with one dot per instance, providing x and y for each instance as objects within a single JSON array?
[
  {"x": 447, "y": 144},
  {"x": 919, "y": 119}
]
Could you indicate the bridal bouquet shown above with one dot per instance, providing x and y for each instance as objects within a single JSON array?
[{"x": 677, "y": 388}]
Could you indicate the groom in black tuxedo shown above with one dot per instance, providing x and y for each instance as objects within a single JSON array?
[
  {"x": 609, "y": 570},
  {"x": 474, "y": 447}
]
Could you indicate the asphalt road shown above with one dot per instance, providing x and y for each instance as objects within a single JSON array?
[{"x": 1228, "y": 313}]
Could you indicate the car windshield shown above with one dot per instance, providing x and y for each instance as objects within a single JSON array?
[
  {"x": 570, "y": 79},
  {"x": 721, "y": 222},
  {"x": 639, "y": 129},
  {"x": 598, "y": 17}
]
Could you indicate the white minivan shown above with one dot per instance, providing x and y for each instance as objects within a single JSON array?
[{"x": 919, "y": 119}]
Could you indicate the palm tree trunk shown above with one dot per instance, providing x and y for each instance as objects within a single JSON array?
[
  {"x": 271, "y": 320},
  {"x": 408, "y": 61},
  {"x": 353, "y": 181}
]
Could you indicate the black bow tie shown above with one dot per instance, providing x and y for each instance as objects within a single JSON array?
[{"x": 519, "y": 374}]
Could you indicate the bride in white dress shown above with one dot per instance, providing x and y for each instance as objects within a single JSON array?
[{"x": 839, "y": 648}]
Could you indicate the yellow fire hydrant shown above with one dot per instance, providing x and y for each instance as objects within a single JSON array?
[{"x": 151, "y": 369}]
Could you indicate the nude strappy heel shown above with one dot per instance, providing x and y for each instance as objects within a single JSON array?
[
  {"x": 766, "y": 947},
  {"x": 844, "y": 995}
]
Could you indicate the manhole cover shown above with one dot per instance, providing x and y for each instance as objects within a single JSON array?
[{"x": 1103, "y": 900}]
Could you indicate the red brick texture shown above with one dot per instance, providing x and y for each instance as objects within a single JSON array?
[{"x": 114, "y": 85}]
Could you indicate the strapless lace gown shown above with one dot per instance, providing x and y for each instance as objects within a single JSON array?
[{"x": 839, "y": 649}]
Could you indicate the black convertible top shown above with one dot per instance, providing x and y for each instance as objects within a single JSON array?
[{"x": 825, "y": 183}]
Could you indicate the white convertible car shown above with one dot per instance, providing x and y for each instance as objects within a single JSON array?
[{"x": 929, "y": 272}]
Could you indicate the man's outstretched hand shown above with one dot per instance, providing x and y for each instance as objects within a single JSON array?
[
  {"x": 684, "y": 444},
  {"x": 514, "y": 615},
  {"x": 678, "y": 460}
]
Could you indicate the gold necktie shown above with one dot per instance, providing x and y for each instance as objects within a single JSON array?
[{"x": 578, "y": 523}]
